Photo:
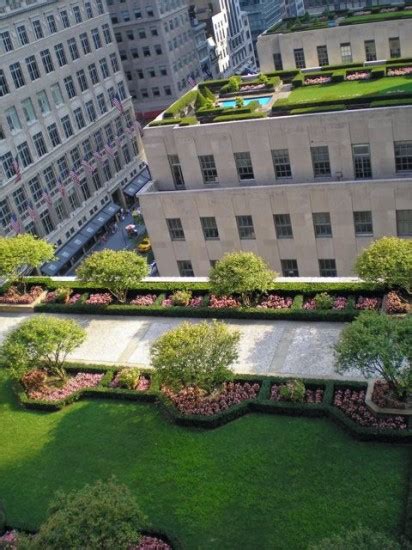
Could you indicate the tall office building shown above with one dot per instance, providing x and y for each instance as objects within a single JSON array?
[
  {"x": 262, "y": 14},
  {"x": 69, "y": 142}
]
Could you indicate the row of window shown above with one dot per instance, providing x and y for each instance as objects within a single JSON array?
[
  {"x": 281, "y": 163},
  {"x": 51, "y": 24},
  {"x": 124, "y": 15},
  {"x": 322, "y": 226}
]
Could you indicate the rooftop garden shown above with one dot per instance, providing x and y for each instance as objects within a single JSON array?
[{"x": 341, "y": 18}]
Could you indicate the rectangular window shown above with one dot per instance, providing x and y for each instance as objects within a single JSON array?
[
  {"x": 107, "y": 34},
  {"x": 320, "y": 161},
  {"x": 322, "y": 224},
  {"x": 104, "y": 68},
  {"x": 47, "y": 61},
  {"x": 101, "y": 102},
  {"x": 70, "y": 89},
  {"x": 346, "y": 52},
  {"x": 22, "y": 34},
  {"x": 28, "y": 110},
  {"x": 244, "y": 166},
  {"x": 362, "y": 161},
  {"x": 90, "y": 110},
  {"x": 5, "y": 213},
  {"x": 245, "y": 227},
  {"x": 185, "y": 268},
  {"x": 394, "y": 47},
  {"x": 43, "y": 102},
  {"x": 97, "y": 41},
  {"x": 7, "y": 42},
  {"x": 77, "y": 14},
  {"x": 47, "y": 222},
  {"x": 65, "y": 19},
  {"x": 4, "y": 89},
  {"x": 50, "y": 178},
  {"x": 283, "y": 226},
  {"x": 7, "y": 163},
  {"x": 63, "y": 167},
  {"x": 81, "y": 79},
  {"x": 114, "y": 62},
  {"x": 176, "y": 170},
  {"x": 87, "y": 149},
  {"x": 404, "y": 223},
  {"x": 98, "y": 140},
  {"x": 60, "y": 210},
  {"x": 97, "y": 182},
  {"x": 327, "y": 268},
  {"x": 363, "y": 223},
  {"x": 100, "y": 7},
  {"x": 208, "y": 169},
  {"x": 24, "y": 154},
  {"x": 38, "y": 29},
  {"x": 17, "y": 75},
  {"x": 60, "y": 54},
  {"x": 54, "y": 135},
  {"x": 403, "y": 156},
  {"x": 84, "y": 41},
  {"x": 209, "y": 227},
  {"x": 106, "y": 170},
  {"x": 51, "y": 23},
  {"x": 85, "y": 189},
  {"x": 20, "y": 200},
  {"x": 277, "y": 61},
  {"x": 370, "y": 50},
  {"x": 94, "y": 77},
  {"x": 40, "y": 144},
  {"x": 75, "y": 157},
  {"x": 56, "y": 94},
  {"x": 73, "y": 49},
  {"x": 35, "y": 189},
  {"x": 175, "y": 229},
  {"x": 299, "y": 55},
  {"x": 73, "y": 200},
  {"x": 289, "y": 268},
  {"x": 67, "y": 126},
  {"x": 323, "y": 58},
  {"x": 13, "y": 119},
  {"x": 32, "y": 67},
  {"x": 78, "y": 115},
  {"x": 89, "y": 11},
  {"x": 281, "y": 163}
]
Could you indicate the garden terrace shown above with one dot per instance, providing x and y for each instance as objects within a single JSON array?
[{"x": 342, "y": 18}]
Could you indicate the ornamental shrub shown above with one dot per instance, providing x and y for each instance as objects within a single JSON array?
[
  {"x": 128, "y": 378},
  {"x": 293, "y": 390},
  {"x": 34, "y": 380},
  {"x": 181, "y": 298},
  {"x": 208, "y": 94},
  {"x": 200, "y": 101},
  {"x": 360, "y": 538},
  {"x": 104, "y": 515},
  {"x": 323, "y": 301},
  {"x": 239, "y": 102}
]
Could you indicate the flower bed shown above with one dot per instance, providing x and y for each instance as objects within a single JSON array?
[
  {"x": 311, "y": 395},
  {"x": 13, "y": 296},
  {"x": 317, "y": 80},
  {"x": 193, "y": 302},
  {"x": 352, "y": 403},
  {"x": 383, "y": 397},
  {"x": 219, "y": 302},
  {"x": 9, "y": 540},
  {"x": 394, "y": 304},
  {"x": 100, "y": 299},
  {"x": 359, "y": 75},
  {"x": 252, "y": 87},
  {"x": 151, "y": 543},
  {"x": 193, "y": 401},
  {"x": 276, "y": 302},
  {"x": 80, "y": 381},
  {"x": 364, "y": 303},
  {"x": 144, "y": 300},
  {"x": 399, "y": 71},
  {"x": 338, "y": 303}
]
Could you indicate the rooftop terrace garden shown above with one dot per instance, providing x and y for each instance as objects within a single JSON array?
[{"x": 341, "y": 18}]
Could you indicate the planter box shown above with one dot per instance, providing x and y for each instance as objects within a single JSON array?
[
  {"x": 380, "y": 410},
  {"x": 23, "y": 308}
]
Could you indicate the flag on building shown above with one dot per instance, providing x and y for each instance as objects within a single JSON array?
[
  {"x": 61, "y": 187},
  {"x": 191, "y": 81},
  {"x": 138, "y": 127},
  {"x": 15, "y": 224},
  {"x": 109, "y": 150},
  {"x": 32, "y": 211},
  {"x": 47, "y": 197},
  {"x": 98, "y": 156},
  {"x": 117, "y": 104},
  {"x": 74, "y": 176},
  {"x": 16, "y": 168},
  {"x": 89, "y": 168},
  {"x": 129, "y": 130}
]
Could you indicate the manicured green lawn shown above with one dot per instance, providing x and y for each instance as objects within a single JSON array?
[
  {"x": 384, "y": 87},
  {"x": 259, "y": 482}
]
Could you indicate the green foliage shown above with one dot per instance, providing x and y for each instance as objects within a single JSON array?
[
  {"x": 200, "y": 101},
  {"x": 180, "y": 106},
  {"x": 181, "y": 297},
  {"x": 239, "y": 102},
  {"x": 128, "y": 378},
  {"x": 208, "y": 94},
  {"x": 165, "y": 122},
  {"x": 63, "y": 295},
  {"x": 195, "y": 355},
  {"x": 387, "y": 261},
  {"x": 241, "y": 273},
  {"x": 319, "y": 109},
  {"x": 104, "y": 515},
  {"x": 293, "y": 390},
  {"x": 360, "y": 538},
  {"x": 323, "y": 301},
  {"x": 242, "y": 116},
  {"x": 391, "y": 102},
  {"x": 378, "y": 72},
  {"x": 297, "y": 82},
  {"x": 115, "y": 270},
  {"x": 337, "y": 76},
  {"x": 263, "y": 79},
  {"x": 378, "y": 346},
  {"x": 232, "y": 86},
  {"x": 41, "y": 342},
  {"x": 188, "y": 121}
]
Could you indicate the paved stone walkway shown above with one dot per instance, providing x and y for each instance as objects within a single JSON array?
[{"x": 266, "y": 347}]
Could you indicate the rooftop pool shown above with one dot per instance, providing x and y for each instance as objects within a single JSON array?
[{"x": 262, "y": 100}]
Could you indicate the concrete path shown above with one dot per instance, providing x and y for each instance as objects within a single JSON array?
[{"x": 266, "y": 347}]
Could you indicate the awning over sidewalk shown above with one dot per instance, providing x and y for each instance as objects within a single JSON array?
[
  {"x": 137, "y": 183},
  {"x": 84, "y": 235}
]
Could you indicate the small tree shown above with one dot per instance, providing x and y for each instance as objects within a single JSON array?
[
  {"x": 388, "y": 261},
  {"x": 22, "y": 251},
  {"x": 241, "y": 273},
  {"x": 195, "y": 355},
  {"x": 102, "y": 515},
  {"x": 239, "y": 102},
  {"x": 378, "y": 346},
  {"x": 41, "y": 342},
  {"x": 115, "y": 270}
]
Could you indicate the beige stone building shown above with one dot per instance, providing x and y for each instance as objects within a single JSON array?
[{"x": 306, "y": 192}]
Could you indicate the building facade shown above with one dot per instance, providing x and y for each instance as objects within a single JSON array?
[
  {"x": 355, "y": 43},
  {"x": 262, "y": 14},
  {"x": 306, "y": 192},
  {"x": 69, "y": 143}
]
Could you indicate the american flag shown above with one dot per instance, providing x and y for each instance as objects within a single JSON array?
[
  {"x": 118, "y": 140},
  {"x": 97, "y": 155},
  {"x": 47, "y": 197},
  {"x": 89, "y": 168},
  {"x": 15, "y": 224},
  {"x": 74, "y": 176},
  {"x": 129, "y": 130},
  {"x": 61, "y": 187},
  {"x": 191, "y": 81},
  {"x": 16, "y": 168},
  {"x": 109, "y": 150},
  {"x": 117, "y": 104},
  {"x": 138, "y": 127},
  {"x": 32, "y": 211}
]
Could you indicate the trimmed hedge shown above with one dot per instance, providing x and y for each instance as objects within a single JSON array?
[
  {"x": 391, "y": 102},
  {"x": 307, "y": 110},
  {"x": 181, "y": 103},
  {"x": 234, "y": 117},
  {"x": 297, "y": 82},
  {"x": 165, "y": 122}
]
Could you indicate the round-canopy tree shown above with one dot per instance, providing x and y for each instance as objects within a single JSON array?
[
  {"x": 378, "y": 346},
  {"x": 388, "y": 261},
  {"x": 115, "y": 270},
  {"x": 22, "y": 251},
  {"x": 195, "y": 355},
  {"x": 41, "y": 342},
  {"x": 102, "y": 515},
  {"x": 241, "y": 273}
]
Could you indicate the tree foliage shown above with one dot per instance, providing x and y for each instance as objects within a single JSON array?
[
  {"x": 388, "y": 261},
  {"x": 378, "y": 346},
  {"x": 41, "y": 341},
  {"x": 360, "y": 538},
  {"x": 102, "y": 516},
  {"x": 195, "y": 355},
  {"x": 241, "y": 273},
  {"x": 114, "y": 270}
]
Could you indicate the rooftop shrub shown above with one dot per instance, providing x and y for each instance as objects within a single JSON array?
[
  {"x": 178, "y": 106},
  {"x": 308, "y": 110},
  {"x": 242, "y": 116}
]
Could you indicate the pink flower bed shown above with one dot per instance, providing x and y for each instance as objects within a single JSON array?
[
  {"x": 74, "y": 298},
  {"x": 194, "y": 302},
  {"x": 81, "y": 381},
  {"x": 359, "y": 75},
  {"x": 275, "y": 302},
  {"x": 310, "y": 81},
  {"x": 311, "y": 396},
  {"x": 147, "y": 300},
  {"x": 223, "y": 301},
  {"x": 9, "y": 540},
  {"x": 365, "y": 303},
  {"x": 195, "y": 401},
  {"x": 102, "y": 299},
  {"x": 13, "y": 296},
  {"x": 151, "y": 543},
  {"x": 352, "y": 403},
  {"x": 340, "y": 302},
  {"x": 143, "y": 384},
  {"x": 309, "y": 304},
  {"x": 399, "y": 71},
  {"x": 393, "y": 304},
  {"x": 383, "y": 397},
  {"x": 252, "y": 87}
]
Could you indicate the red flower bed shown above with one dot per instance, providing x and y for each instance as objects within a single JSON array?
[
  {"x": 359, "y": 75},
  {"x": 9, "y": 540},
  {"x": 223, "y": 301},
  {"x": 311, "y": 396},
  {"x": 103, "y": 299},
  {"x": 195, "y": 401},
  {"x": 383, "y": 397},
  {"x": 365, "y": 303},
  {"x": 151, "y": 543},
  {"x": 13, "y": 296},
  {"x": 147, "y": 300},
  {"x": 276, "y": 302},
  {"x": 399, "y": 71},
  {"x": 311, "y": 81},
  {"x": 81, "y": 381},
  {"x": 394, "y": 304},
  {"x": 352, "y": 403}
]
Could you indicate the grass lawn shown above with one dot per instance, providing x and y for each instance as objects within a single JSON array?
[
  {"x": 259, "y": 482},
  {"x": 384, "y": 87}
]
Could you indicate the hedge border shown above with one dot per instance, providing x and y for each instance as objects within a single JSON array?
[{"x": 261, "y": 404}]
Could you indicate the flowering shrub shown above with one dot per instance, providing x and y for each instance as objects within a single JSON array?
[
  {"x": 60, "y": 296},
  {"x": 399, "y": 71},
  {"x": 102, "y": 299},
  {"x": 181, "y": 298},
  {"x": 81, "y": 381},
  {"x": 275, "y": 302},
  {"x": 147, "y": 300},
  {"x": 74, "y": 299},
  {"x": 131, "y": 379},
  {"x": 196, "y": 301},
  {"x": 368, "y": 303},
  {"x": 34, "y": 379},
  {"x": 383, "y": 397},
  {"x": 339, "y": 303},
  {"x": 352, "y": 403},
  {"x": 8, "y": 541},
  {"x": 309, "y": 304},
  {"x": 13, "y": 296},
  {"x": 223, "y": 301},
  {"x": 394, "y": 304},
  {"x": 323, "y": 300},
  {"x": 310, "y": 396},
  {"x": 192, "y": 400},
  {"x": 359, "y": 75},
  {"x": 151, "y": 543},
  {"x": 310, "y": 81}
]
